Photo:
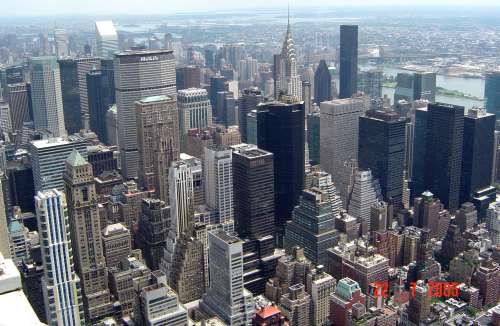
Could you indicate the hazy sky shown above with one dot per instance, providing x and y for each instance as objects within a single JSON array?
[{"x": 111, "y": 7}]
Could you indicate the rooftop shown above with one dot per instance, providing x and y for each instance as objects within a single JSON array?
[
  {"x": 157, "y": 98},
  {"x": 15, "y": 309},
  {"x": 105, "y": 28},
  {"x": 76, "y": 159}
]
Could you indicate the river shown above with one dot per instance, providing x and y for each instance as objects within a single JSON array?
[{"x": 472, "y": 86}]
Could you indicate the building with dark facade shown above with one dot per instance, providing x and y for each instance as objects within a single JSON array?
[
  {"x": 226, "y": 108},
  {"x": 102, "y": 159},
  {"x": 444, "y": 152},
  {"x": 492, "y": 92},
  {"x": 248, "y": 101},
  {"x": 348, "y": 60},
  {"x": 322, "y": 83},
  {"x": 70, "y": 95},
  {"x": 217, "y": 84},
  {"x": 404, "y": 87},
  {"x": 424, "y": 86},
  {"x": 279, "y": 129},
  {"x": 313, "y": 134},
  {"x": 101, "y": 95},
  {"x": 381, "y": 148},
  {"x": 477, "y": 153},
  {"x": 187, "y": 77}
]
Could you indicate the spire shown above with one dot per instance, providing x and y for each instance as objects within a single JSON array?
[{"x": 288, "y": 30}]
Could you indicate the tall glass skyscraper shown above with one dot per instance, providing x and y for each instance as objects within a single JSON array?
[
  {"x": 348, "y": 60},
  {"x": 492, "y": 93},
  {"x": 322, "y": 83}
]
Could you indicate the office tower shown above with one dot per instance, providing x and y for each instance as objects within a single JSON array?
[
  {"x": 445, "y": 131},
  {"x": 424, "y": 86},
  {"x": 217, "y": 84},
  {"x": 307, "y": 97},
  {"x": 195, "y": 110},
  {"x": 348, "y": 71},
  {"x": 339, "y": 131},
  {"x": 492, "y": 92},
  {"x": 5, "y": 118},
  {"x": 365, "y": 193},
  {"x": 181, "y": 196},
  {"x": 226, "y": 136},
  {"x": 419, "y": 163},
  {"x": 322, "y": 83},
  {"x": 84, "y": 222},
  {"x": 158, "y": 142},
  {"x": 156, "y": 77},
  {"x": 381, "y": 149},
  {"x": 4, "y": 230},
  {"x": 70, "y": 94},
  {"x": 101, "y": 95},
  {"x": 46, "y": 95},
  {"x": 159, "y": 304},
  {"x": 60, "y": 284},
  {"x": 493, "y": 222},
  {"x": 112, "y": 126},
  {"x": 316, "y": 178},
  {"x": 249, "y": 99},
  {"x": 312, "y": 226},
  {"x": 320, "y": 285},
  {"x": 226, "y": 296},
  {"x": 253, "y": 184},
  {"x": 106, "y": 39},
  {"x": 280, "y": 130},
  {"x": 285, "y": 68},
  {"x": 370, "y": 83},
  {"x": 466, "y": 216},
  {"x": 487, "y": 279},
  {"x": 116, "y": 243},
  {"x": 19, "y": 96},
  {"x": 61, "y": 42},
  {"x": 188, "y": 77},
  {"x": 313, "y": 134},
  {"x": 47, "y": 159},
  {"x": 430, "y": 213},
  {"x": 218, "y": 181},
  {"x": 226, "y": 106},
  {"x": 478, "y": 153},
  {"x": 296, "y": 305},
  {"x": 152, "y": 231},
  {"x": 347, "y": 293},
  {"x": 102, "y": 159},
  {"x": 420, "y": 304},
  {"x": 404, "y": 87}
]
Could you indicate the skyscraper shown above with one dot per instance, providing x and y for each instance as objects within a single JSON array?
[
  {"x": 60, "y": 284},
  {"x": 226, "y": 297},
  {"x": 226, "y": 106},
  {"x": 419, "y": 150},
  {"x": 70, "y": 94},
  {"x": 218, "y": 181},
  {"x": 253, "y": 184},
  {"x": 348, "y": 60},
  {"x": 195, "y": 110},
  {"x": 296, "y": 305},
  {"x": 187, "y": 77},
  {"x": 286, "y": 76},
  {"x": 339, "y": 134},
  {"x": 492, "y": 93},
  {"x": 19, "y": 96},
  {"x": 404, "y": 87},
  {"x": 48, "y": 156},
  {"x": 181, "y": 196},
  {"x": 47, "y": 96},
  {"x": 116, "y": 242},
  {"x": 4, "y": 230},
  {"x": 84, "y": 222},
  {"x": 156, "y": 77},
  {"x": 280, "y": 130},
  {"x": 424, "y": 86},
  {"x": 320, "y": 286},
  {"x": 478, "y": 153},
  {"x": 322, "y": 83},
  {"x": 445, "y": 131},
  {"x": 61, "y": 41},
  {"x": 248, "y": 101},
  {"x": 158, "y": 142},
  {"x": 217, "y": 84},
  {"x": 370, "y": 83},
  {"x": 106, "y": 39},
  {"x": 382, "y": 150},
  {"x": 312, "y": 226}
]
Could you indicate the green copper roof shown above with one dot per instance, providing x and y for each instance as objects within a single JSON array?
[
  {"x": 155, "y": 99},
  {"x": 15, "y": 226},
  {"x": 76, "y": 159}
]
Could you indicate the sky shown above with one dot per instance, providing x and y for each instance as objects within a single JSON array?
[{"x": 167, "y": 7}]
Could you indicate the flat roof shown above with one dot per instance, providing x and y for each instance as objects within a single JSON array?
[
  {"x": 15, "y": 310},
  {"x": 156, "y": 98},
  {"x": 105, "y": 28}
]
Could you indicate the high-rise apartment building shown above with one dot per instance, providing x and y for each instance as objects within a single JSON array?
[
  {"x": 320, "y": 285},
  {"x": 487, "y": 279},
  {"x": 226, "y": 296},
  {"x": 420, "y": 304},
  {"x": 48, "y": 156},
  {"x": 195, "y": 110},
  {"x": 322, "y": 83},
  {"x": 46, "y": 96},
  {"x": 430, "y": 213},
  {"x": 339, "y": 134},
  {"x": 84, "y": 222},
  {"x": 296, "y": 305},
  {"x": 139, "y": 74},
  {"x": 60, "y": 283},
  {"x": 381, "y": 149},
  {"x": 279, "y": 129},
  {"x": 158, "y": 142},
  {"x": 493, "y": 222},
  {"x": 348, "y": 61},
  {"x": 253, "y": 184},
  {"x": 106, "y": 39}
]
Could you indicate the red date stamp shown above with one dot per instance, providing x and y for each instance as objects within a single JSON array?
[{"x": 434, "y": 289}]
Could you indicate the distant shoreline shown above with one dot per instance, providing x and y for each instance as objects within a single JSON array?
[{"x": 442, "y": 91}]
